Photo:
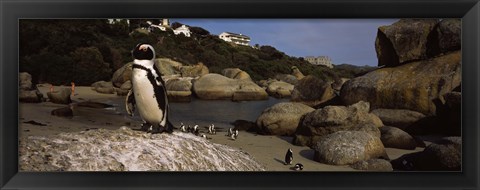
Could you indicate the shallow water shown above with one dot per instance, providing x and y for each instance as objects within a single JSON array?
[{"x": 205, "y": 112}]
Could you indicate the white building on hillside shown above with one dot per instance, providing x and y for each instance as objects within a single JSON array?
[
  {"x": 320, "y": 60},
  {"x": 239, "y": 39},
  {"x": 182, "y": 30}
]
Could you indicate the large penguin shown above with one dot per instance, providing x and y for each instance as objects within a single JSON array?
[{"x": 148, "y": 91}]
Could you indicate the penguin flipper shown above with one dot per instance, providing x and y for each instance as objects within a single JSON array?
[{"x": 130, "y": 103}]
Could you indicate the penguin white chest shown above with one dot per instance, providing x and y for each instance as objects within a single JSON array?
[{"x": 149, "y": 107}]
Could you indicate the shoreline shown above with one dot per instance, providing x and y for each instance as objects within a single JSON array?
[{"x": 267, "y": 150}]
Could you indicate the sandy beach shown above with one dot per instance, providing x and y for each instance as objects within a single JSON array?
[{"x": 267, "y": 150}]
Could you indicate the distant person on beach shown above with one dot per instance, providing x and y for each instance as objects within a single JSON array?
[{"x": 73, "y": 88}]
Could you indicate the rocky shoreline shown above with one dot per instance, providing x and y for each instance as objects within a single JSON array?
[{"x": 346, "y": 124}]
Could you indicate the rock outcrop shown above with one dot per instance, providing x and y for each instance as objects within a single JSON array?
[
  {"x": 330, "y": 119},
  {"x": 373, "y": 165},
  {"x": 312, "y": 91},
  {"x": 348, "y": 147},
  {"x": 413, "y": 86},
  {"x": 194, "y": 70},
  {"x": 449, "y": 34},
  {"x": 27, "y": 92},
  {"x": 279, "y": 89},
  {"x": 393, "y": 137},
  {"x": 128, "y": 150},
  {"x": 282, "y": 118},
  {"x": 214, "y": 87},
  {"x": 404, "y": 41},
  {"x": 236, "y": 73},
  {"x": 61, "y": 96},
  {"x": 442, "y": 155},
  {"x": 400, "y": 118},
  {"x": 103, "y": 87}
]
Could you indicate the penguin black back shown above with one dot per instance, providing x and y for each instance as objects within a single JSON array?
[
  {"x": 141, "y": 53},
  {"x": 288, "y": 157}
]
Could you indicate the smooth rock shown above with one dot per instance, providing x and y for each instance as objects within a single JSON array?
[
  {"x": 348, "y": 147},
  {"x": 236, "y": 73},
  {"x": 312, "y": 91},
  {"x": 282, "y": 118},
  {"x": 404, "y": 41},
  {"x": 279, "y": 89},
  {"x": 393, "y": 137},
  {"x": 179, "y": 96},
  {"x": 62, "y": 96},
  {"x": 194, "y": 70},
  {"x": 331, "y": 119},
  {"x": 373, "y": 165},
  {"x": 442, "y": 155},
  {"x": 214, "y": 87},
  {"x": 413, "y": 86},
  {"x": 129, "y": 150},
  {"x": 400, "y": 118},
  {"x": 449, "y": 34}
]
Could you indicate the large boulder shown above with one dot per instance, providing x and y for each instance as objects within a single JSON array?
[
  {"x": 129, "y": 150},
  {"x": 30, "y": 96},
  {"x": 373, "y": 165},
  {"x": 122, "y": 75},
  {"x": 404, "y": 41},
  {"x": 236, "y": 73},
  {"x": 27, "y": 92},
  {"x": 282, "y": 118},
  {"x": 348, "y": 147},
  {"x": 400, "y": 118},
  {"x": 413, "y": 86},
  {"x": 103, "y": 87},
  {"x": 297, "y": 73},
  {"x": 61, "y": 96},
  {"x": 312, "y": 91},
  {"x": 287, "y": 78},
  {"x": 165, "y": 66},
  {"x": 194, "y": 70},
  {"x": 330, "y": 119},
  {"x": 449, "y": 34},
  {"x": 179, "y": 84},
  {"x": 214, "y": 86},
  {"x": 442, "y": 155},
  {"x": 393, "y": 137},
  {"x": 279, "y": 89},
  {"x": 25, "y": 81}
]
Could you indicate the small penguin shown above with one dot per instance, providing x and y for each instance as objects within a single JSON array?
[
  {"x": 195, "y": 128},
  {"x": 210, "y": 131},
  {"x": 148, "y": 92},
  {"x": 214, "y": 131},
  {"x": 189, "y": 129},
  {"x": 229, "y": 132},
  {"x": 289, "y": 157},
  {"x": 196, "y": 131},
  {"x": 232, "y": 136},
  {"x": 182, "y": 128},
  {"x": 203, "y": 136},
  {"x": 298, "y": 166},
  {"x": 236, "y": 133}
]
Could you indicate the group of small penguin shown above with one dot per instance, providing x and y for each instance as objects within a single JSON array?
[
  {"x": 289, "y": 159},
  {"x": 232, "y": 134},
  {"x": 196, "y": 131}
]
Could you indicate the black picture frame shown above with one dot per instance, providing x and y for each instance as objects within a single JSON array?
[{"x": 11, "y": 11}]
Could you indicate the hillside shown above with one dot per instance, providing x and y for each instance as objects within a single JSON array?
[{"x": 85, "y": 51}]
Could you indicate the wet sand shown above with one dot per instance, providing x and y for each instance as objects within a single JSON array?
[{"x": 267, "y": 150}]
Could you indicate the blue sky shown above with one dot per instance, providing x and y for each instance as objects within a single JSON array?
[{"x": 349, "y": 41}]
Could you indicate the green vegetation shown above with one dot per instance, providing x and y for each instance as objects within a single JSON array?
[{"x": 85, "y": 51}]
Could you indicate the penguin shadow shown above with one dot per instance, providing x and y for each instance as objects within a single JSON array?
[{"x": 278, "y": 160}]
